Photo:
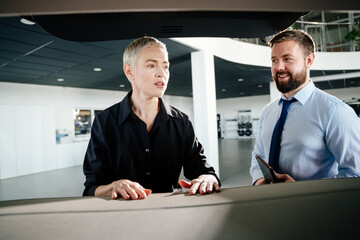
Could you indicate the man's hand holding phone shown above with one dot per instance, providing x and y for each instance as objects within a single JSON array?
[
  {"x": 284, "y": 177},
  {"x": 280, "y": 177},
  {"x": 270, "y": 176}
]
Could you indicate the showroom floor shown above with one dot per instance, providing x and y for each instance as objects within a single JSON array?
[{"x": 234, "y": 172}]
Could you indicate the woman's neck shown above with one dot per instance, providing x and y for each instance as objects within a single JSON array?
[{"x": 146, "y": 109}]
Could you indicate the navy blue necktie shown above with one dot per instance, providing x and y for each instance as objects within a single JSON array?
[{"x": 276, "y": 137}]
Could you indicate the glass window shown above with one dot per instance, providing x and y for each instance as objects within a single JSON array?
[{"x": 82, "y": 121}]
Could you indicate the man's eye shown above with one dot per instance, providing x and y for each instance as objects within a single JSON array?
[
  {"x": 274, "y": 61},
  {"x": 151, "y": 66}
]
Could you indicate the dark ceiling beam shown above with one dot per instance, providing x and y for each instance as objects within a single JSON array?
[
  {"x": 114, "y": 26},
  {"x": 27, "y": 7},
  {"x": 179, "y": 59}
]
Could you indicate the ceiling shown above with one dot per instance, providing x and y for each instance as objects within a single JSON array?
[{"x": 28, "y": 54}]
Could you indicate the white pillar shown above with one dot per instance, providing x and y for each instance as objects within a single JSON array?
[
  {"x": 204, "y": 97},
  {"x": 274, "y": 92}
]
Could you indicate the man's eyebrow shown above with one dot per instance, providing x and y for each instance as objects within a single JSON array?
[{"x": 287, "y": 55}]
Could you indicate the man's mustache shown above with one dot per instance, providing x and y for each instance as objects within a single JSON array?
[{"x": 280, "y": 73}]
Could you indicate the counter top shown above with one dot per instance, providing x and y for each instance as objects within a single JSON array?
[{"x": 319, "y": 209}]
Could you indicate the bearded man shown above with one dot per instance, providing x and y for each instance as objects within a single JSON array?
[{"x": 307, "y": 133}]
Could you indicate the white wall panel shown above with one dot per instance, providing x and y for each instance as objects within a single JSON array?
[
  {"x": 22, "y": 138},
  {"x": 65, "y": 155},
  {"x": 36, "y": 139},
  {"x": 228, "y": 108},
  {"x": 7, "y": 142},
  {"x": 79, "y": 152},
  {"x": 49, "y": 138}
]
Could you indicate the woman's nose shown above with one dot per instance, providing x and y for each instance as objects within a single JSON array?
[{"x": 160, "y": 72}]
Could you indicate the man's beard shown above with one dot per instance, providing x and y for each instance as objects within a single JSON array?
[{"x": 295, "y": 80}]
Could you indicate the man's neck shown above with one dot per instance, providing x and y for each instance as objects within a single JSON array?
[{"x": 289, "y": 95}]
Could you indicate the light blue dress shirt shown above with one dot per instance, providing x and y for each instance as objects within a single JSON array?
[{"x": 321, "y": 137}]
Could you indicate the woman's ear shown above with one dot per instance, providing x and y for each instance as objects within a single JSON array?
[{"x": 129, "y": 72}]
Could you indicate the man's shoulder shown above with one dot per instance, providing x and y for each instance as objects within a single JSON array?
[
  {"x": 270, "y": 106},
  {"x": 325, "y": 99}
]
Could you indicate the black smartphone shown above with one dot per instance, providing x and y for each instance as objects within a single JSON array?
[{"x": 267, "y": 170}]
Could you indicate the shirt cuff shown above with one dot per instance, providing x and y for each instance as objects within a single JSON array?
[
  {"x": 256, "y": 175},
  {"x": 90, "y": 191}
]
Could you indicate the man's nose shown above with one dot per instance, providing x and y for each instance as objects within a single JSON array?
[{"x": 280, "y": 65}]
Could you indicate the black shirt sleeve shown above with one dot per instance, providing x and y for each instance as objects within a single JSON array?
[
  {"x": 195, "y": 163},
  {"x": 94, "y": 163}
]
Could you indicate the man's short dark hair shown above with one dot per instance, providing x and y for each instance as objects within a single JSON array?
[{"x": 302, "y": 38}]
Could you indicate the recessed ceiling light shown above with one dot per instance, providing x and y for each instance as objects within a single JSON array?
[
  {"x": 121, "y": 85},
  {"x": 240, "y": 79},
  {"x": 241, "y": 93},
  {"x": 223, "y": 90},
  {"x": 97, "y": 69},
  {"x": 27, "y": 22},
  {"x": 259, "y": 85},
  {"x": 60, "y": 79}
]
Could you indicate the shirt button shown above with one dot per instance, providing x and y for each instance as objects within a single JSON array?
[
  {"x": 148, "y": 173},
  {"x": 147, "y": 150}
]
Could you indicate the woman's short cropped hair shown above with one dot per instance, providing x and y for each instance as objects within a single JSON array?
[{"x": 132, "y": 51}]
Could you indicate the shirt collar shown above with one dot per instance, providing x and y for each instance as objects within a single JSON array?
[
  {"x": 303, "y": 95},
  {"x": 125, "y": 109},
  {"x": 166, "y": 108}
]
